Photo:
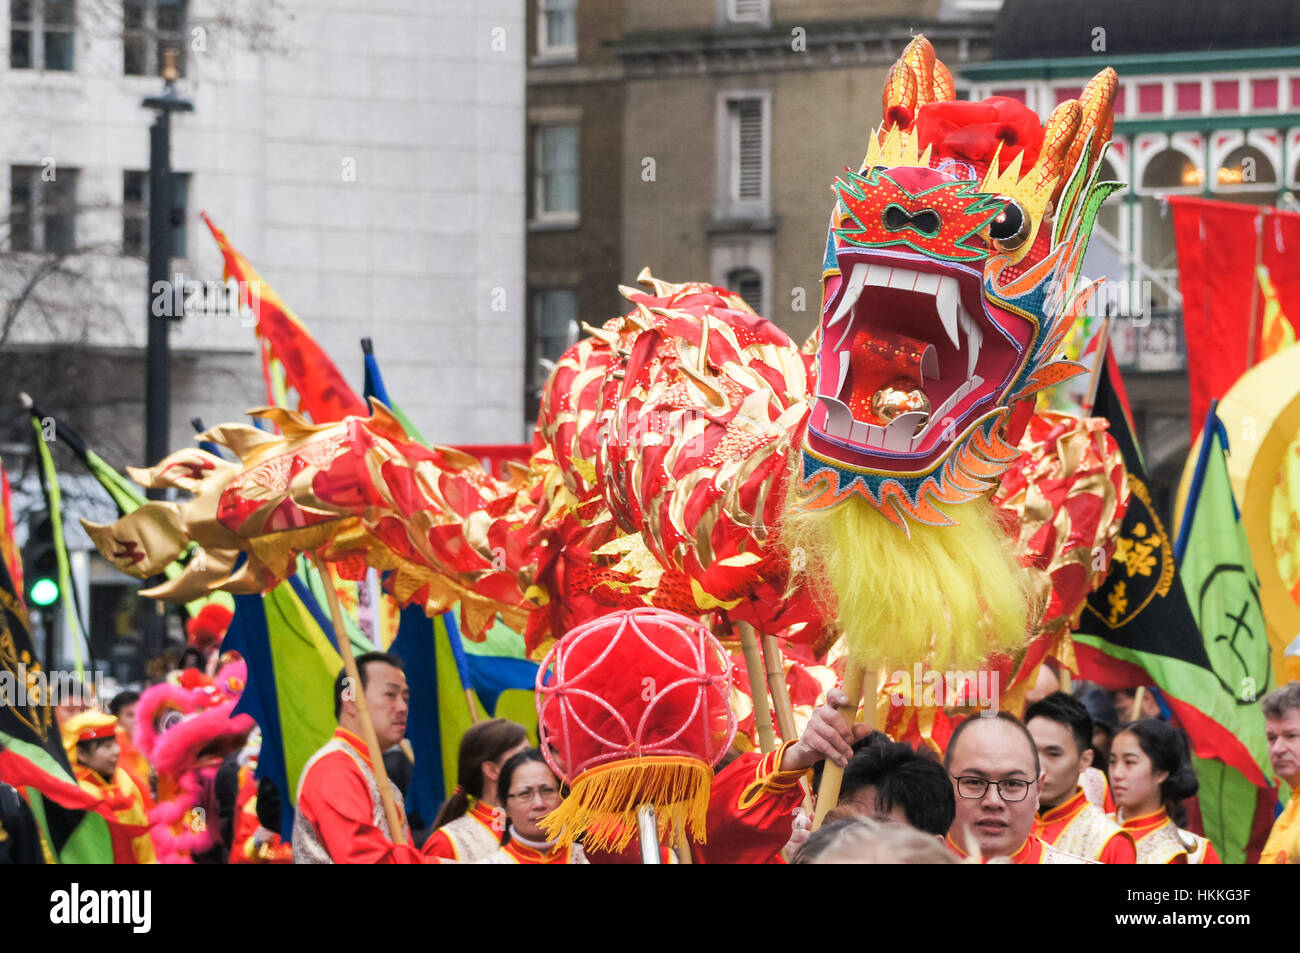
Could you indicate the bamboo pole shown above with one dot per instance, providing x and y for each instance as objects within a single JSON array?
[
  {"x": 1138, "y": 697},
  {"x": 1066, "y": 680},
  {"x": 772, "y": 661},
  {"x": 757, "y": 687},
  {"x": 473, "y": 708},
  {"x": 684, "y": 855},
  {"x": 856, "y": 677},
  {"x": 363, "y": 711}
]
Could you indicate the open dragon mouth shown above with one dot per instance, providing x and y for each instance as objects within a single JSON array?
[{"x": 910, "y": 354}]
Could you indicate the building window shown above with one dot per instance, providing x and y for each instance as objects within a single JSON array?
[
  {"x": 41, "y": 34},
  {"x": 149, "y": 29},
  {"x": 1245, "y": 168},
  {"x": 135, "y": 213},
  {"x": 744, "y": 146},
  {"x": 43, "y": 209},
  {"x": 747, "y": 283},
  {"x": 555, "y": 186},
  {"x": 1017, "y": 94},
  {"x": 746, "y": 11},
  {"x": 1151, "y": 98},
  {"x": 1064, "y": 93},
  {"x": 557, "y": 27},
  {"x": 1263, "y": 93},
  {"x": 554, "y": 330},
  {"x": 1227, "y": 95},
  {"x": 1187, "y": 97}
]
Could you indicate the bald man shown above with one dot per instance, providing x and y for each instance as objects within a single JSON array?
[{"x": 996, "y": 777}]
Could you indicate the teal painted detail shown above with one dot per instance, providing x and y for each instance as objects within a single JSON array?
[{"x": 1144, "y": 64}]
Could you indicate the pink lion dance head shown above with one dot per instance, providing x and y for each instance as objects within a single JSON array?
[{"x": 185, "y": 727}]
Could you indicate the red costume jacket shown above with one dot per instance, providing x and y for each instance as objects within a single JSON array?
[{"x": 335, "y": 799}]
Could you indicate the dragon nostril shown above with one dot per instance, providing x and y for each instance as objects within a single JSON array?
[
  {"x": 926, "y": 222},
  {"x": 896, "y": 219}
]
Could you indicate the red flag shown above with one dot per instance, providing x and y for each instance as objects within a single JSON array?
[
  {"x": 323, "y": 394},
  {"x": 1220, "y": 245}
]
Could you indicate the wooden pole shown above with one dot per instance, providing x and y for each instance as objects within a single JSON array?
[
  {"x": 1066, "y": 682},
  {"x": 757, "y": 687},
  {"x": 772, "y": 661},
  {"x": 684, "y": 855},
  {"x": 856, "y": 677},
  {"x": 1138, "y": 696},
  {"x": 363, "y": 712},
  {"x": 473, "y": 708}
]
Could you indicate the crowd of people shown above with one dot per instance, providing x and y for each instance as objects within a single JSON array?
[{"x": 1067, "y": 784}]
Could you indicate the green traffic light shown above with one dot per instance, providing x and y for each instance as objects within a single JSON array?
[{"x": 45, "y": 592}]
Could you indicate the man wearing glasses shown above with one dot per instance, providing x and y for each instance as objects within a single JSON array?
[{"x": 996, "y": 776}]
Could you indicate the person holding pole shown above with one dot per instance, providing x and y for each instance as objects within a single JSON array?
[{"x": 341, "y": 817}]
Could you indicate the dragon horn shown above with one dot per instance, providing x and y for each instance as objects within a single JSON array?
[
  {"x": 1097, "y": 103},
  {"x": 898, "y": 99},
  {"x": 919, "y": 56},
  {"x": 1058, "y": 137},
  {"x": 944, "y": 90}
]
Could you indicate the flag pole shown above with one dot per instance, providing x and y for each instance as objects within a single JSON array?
[
  {"x": 856, "y": 677},
  {"x": 757, "y": 687},
  {"x": 363, "y": 712},
  {"x": 780, "y": 690},
  {"x": 1138, "y": 697}
]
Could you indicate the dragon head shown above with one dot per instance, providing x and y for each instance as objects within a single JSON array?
[{"x": 950, "y": 278}]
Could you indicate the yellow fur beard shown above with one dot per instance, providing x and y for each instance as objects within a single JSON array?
[{"x": 947, "y": 597}]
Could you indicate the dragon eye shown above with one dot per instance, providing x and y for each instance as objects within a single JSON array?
[{"x": 1011, "y": 227}]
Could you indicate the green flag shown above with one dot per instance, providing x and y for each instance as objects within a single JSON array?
[{"x": 1223, "y": 595}]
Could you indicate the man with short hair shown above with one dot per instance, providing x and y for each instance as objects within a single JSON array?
[
  {"x": 1282, "y": 730},
  {"x": 340, "y": 817},
  {"x": 997, "y": 779},
  {"x": 1062, "y": 731},
  {"x": 893, "y": 781}
]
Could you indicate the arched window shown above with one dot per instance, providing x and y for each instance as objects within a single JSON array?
[
  {"x": 1171, "y": 169},
  {"x": 1245, "y": 168}
]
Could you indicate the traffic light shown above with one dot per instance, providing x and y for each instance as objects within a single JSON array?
[{"x": 41, "y": 564}]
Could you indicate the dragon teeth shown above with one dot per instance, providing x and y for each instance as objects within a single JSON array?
[
  {"x": 947, "y": 299},
  {"x": 851, "y": 292}
]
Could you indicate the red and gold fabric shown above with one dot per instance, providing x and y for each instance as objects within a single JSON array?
[
  {"x": 1160, "y": 841},
  {"x": 335, "y": 800},
  {"x": 128, "y": 802},
  {"x": 751, "y": 804},
  {"x": 1034, "y": 850},
  {"x": 134, "y": 763},
  {"x": 1066, "y": 496},
  {"x": 471, "y": 837},
  {"x": 1079, "y": 827},
  {"x": 1283, "y": 845},
  {"x": 518, "y": 851}
]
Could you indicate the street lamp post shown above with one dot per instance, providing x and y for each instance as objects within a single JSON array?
[{"x": 157, "y": 356}]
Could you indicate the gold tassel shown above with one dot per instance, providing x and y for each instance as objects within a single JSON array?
[{"x": 602, "y": 803}]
